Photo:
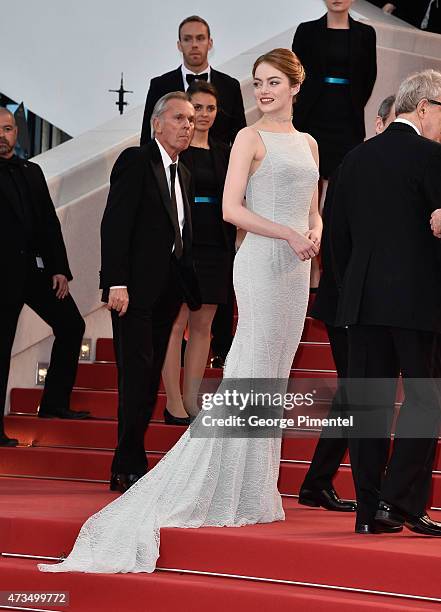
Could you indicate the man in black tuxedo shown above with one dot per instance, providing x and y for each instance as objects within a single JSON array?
[
  {"x": 317, "y": 488},
  {"x": 194, "y": 42},
  {"x": 35, "y": 272},
  {"x": 387, "y": 265},
  {"x": 146, "y": 269}
]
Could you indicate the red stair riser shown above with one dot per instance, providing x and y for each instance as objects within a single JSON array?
[
  {"x": 87, "y": 434},
  {"x": 60, "y": 463},
  {"x": 159, "y": 437},
  {"x": 309, "y": 356},
  {"x": 101, "y": 404},
  {"x": 313, "y": 331},
  {"x": 95, "y": 465}
]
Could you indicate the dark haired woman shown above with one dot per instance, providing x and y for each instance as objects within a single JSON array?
[{"x": 213, "y": 241}]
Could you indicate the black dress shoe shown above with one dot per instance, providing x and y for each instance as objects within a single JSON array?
[
  {"x": 326, "y": 498},
  {"x": 387, "y": 514},
  {"x": 122, "y": 482},
  {"x": 173, "y": 420},
  {"x": 217, "y": 361},
  {"x": 5, "y": 441},
  {"x": 64, "y": 414},
  {"x": 376, "y": 527}
]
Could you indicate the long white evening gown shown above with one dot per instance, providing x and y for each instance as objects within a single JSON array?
[{"x": 221, "y": 481}]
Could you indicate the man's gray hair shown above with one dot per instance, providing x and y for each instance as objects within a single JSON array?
[
  {"x": 161, "y": 104},
  {"x": 386, "y": 107},
  {"x": 417, "y": 87}
]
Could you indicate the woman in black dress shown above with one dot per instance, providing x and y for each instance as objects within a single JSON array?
[
  {"x": 339, "y": 57},
  {"x": 213, "y": 241}
]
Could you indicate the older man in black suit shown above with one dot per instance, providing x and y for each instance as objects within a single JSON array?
[
  {"x": 35, "y": 271},
  {"x": 387, "y": 265},
  {"x": 146, "y": 270}
]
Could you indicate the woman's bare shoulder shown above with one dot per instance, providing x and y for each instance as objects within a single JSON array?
[
  {"x": 247, "y": 134},
  {"x": 311, "y": 141}
]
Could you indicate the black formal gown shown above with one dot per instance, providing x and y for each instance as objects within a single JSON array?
[
  {"x": 211, "y": 256},
  {"x": 341, "y": 68},
  {"x": 330, "y": 121}
]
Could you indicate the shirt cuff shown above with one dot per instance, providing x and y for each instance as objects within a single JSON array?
[{"x": 119, "y": 287}]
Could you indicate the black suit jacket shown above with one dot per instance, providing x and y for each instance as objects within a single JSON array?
[
  {"x": 47, "y": 236},
  {"x": 386, "y": 260},
  {"x": 309, "y": 45},
  {"x": 137, "y": 233},
  {"x": 230, "y": 117},
  {"x": 220, "y": 154}
]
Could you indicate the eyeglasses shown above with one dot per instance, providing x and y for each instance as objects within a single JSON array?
[{"x": 434, "y": 102}]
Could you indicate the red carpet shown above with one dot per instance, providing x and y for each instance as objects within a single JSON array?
[
  {"x": 312, "y": 546},
  {"x": 42, "y": 516},
  {"x": 166, "y": 592}
]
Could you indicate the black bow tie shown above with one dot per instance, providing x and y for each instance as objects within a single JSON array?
[{"x": 196, "y": 77}]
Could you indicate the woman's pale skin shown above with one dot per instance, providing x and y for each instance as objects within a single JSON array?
[
  {"x": 338, "y": 13},
  {"x": 199, "y": 322},
  {"x": 274, "y": 96}
]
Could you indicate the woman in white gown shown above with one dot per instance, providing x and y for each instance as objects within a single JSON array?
[{"x": 214, "y": 480}]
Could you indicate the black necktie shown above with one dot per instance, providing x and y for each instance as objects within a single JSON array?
[
  {"x": 196, "y": 77},
  {"x": 178, "y": 237}
]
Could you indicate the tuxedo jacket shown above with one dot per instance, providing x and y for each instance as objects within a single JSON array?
[
  {"x": 385, "y": 257},
  {"x": 220, "y": 154},
  {"x": 47, "y": 237},
  {"x": 309, "y": 45},
  {"x": 137, "y": 233},
  {"x": 230, "y": 116}
]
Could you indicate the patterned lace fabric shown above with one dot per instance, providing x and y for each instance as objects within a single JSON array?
[{"x": 221, "y": 481}]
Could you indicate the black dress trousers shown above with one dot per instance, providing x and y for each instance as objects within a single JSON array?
[
  {"x": 68, "y": 328},
  {"x": 140, "y": 339},
  {"x": 331, "y": 449},
  {"x": 404, "y": 480}
]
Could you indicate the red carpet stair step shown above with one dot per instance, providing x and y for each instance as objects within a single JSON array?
[
  {"x": 69, "y": 450},
  {"x": 314, "y": 331},
  {"x": 309, "y": 354},
  {"x": 104, "y": 403},
  {"x": 159, "y": 438},
  {"x": 311, "y": 546},
  {"x": 103, "y": 376},
  {"x": 95, "y": 465},
  {"x": 48, "y": 497},
  {"x": 165, "y": 592}
]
